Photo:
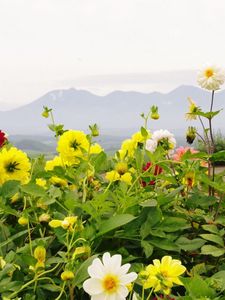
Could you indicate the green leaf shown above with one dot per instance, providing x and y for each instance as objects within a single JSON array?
[
  {"x": 50, "y": 287},
  {"x": 218, "y": 156},
  {"x": 144, "y": 132},
  {"x": 219, "y": 277},
  {"x": 213, "y": 238},
  {"x": 114, "y": 222},
  {"x": 211, "y": 228},
  {"x": 149, "y": 203},
  {"x": 164, "y": 244},
  {"x": 154, "y": 217},
  {"x": 148, "y": 248},
  {"x": 189, "y": 245},
  {"x": 13, "y": 237},
  {"x": 208, "y": 115},
  {"x": 212, "y": 250},
  {"x": 197, "y": 288},
  {"x": 82, "y": 273},
  {"x": 33, "y": 189},
  {"x": 9, "y": 188},
  {"x": 172, "y": 224}
]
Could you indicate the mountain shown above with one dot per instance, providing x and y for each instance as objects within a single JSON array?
[{"x": 117, "y": 113}]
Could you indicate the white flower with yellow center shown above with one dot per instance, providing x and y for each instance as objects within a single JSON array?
[
  {"x": 109, "y": 279},
  {"x": 211, "y": 78},
  {"x": 162, "y": 138}
]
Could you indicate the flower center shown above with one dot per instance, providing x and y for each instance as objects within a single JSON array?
[
  {"x": 110, "y": 283},
  {"x": 12, "y": 166},
  {"x": 209, "y": 73},
  {"x": 165, "y": 144},
  {"x": 75, "y": 145},
  {"x": 121, "y": 168}
]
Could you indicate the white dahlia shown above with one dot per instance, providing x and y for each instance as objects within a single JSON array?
[
  {"x": 109, "y": 279},
  {"x": 162, "y": 138},
  {"x": 211, "y": 78}
]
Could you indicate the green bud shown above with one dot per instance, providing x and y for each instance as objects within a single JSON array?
[
  {"x": 94, "y": 130},
  {"x": 154, "y": 113}
]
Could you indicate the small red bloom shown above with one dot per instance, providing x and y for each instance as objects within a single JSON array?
[
  {"x": 158, "y": 170},
  {"x": 3, "y": 138}
]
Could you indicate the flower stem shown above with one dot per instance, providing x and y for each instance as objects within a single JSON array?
[{"x": 62, "y": 291}]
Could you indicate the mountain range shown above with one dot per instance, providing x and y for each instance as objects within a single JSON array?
[{"x": 117, "y": 113}]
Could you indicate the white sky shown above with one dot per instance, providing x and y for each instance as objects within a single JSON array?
[{"x": 103, "y": 45}]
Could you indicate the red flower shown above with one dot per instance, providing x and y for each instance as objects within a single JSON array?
[
  {"x": 3, "y": 138},
  {"x": 158, "y": 170}
]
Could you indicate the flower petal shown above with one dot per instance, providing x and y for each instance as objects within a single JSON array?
[
  {"x": 96, "y": 269},
  {"x": 127, "y": 278},
  {"x": 93, "y": 286}
]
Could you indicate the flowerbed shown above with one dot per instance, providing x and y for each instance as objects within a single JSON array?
[{"x": 147, "y": 223}]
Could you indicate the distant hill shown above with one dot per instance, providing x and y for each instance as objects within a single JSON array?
[{"x": 117, "y": 113}]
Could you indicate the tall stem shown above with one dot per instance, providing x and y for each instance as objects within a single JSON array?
[
  {"x": 211, "y": 166},
  {"x": 210, "y": 125}
]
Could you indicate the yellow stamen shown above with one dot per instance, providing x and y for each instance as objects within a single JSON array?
[
  {"x": 209, "y": 73},
  {"x": 110, "y": 283}
]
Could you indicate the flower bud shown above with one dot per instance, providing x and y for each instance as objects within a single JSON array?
[
  {"x": 40, "y": 255},
  {"x": 23, "y": 221},
  {"x": 44, "y": 218},
  {"x": 46, "y": 112},
  {"x": 94, "y": 130},
  {"x": 191, "y": 134},
  {"x": 67, "y": 275},
  {"x": 154, "y": 113}
]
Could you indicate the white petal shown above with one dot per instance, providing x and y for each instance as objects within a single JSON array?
[
  {"x": 96, "y": 269},
  {"x": 123, "y": 269},
  {"x": 93, "y": 286},
  {"x": 115, "y": 263},
  {"x": 106, "y": 258},
  {"x": 125, "y": 279},
  {"x": 102, "y": 296},
  {"x": 123, "y": 291},
  {"x": 115, "y": 296}
]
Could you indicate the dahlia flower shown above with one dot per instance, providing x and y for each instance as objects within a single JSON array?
[
  {"x": 121, "y": 173},
  {"x": 109, "y": 279},
  {"x": 162, "y": 138},
  {"x": 72, "y": 145},
  {"x": 162, "y": 275},
  {"x": 181, "y": 151},
  {"x": 3, "y": 138},
  {"x": 14, "y": 165},
  {"x": 211, "y": 78}
]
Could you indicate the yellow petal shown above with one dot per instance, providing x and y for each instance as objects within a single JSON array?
[{"x": 55, "y": 223}]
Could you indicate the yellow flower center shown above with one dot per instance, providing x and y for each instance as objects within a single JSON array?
[
  {"x": 75, "y": 145},
  {"x": 209, "y": 73},
  {"x": 110, "y": 283},
  {"x": 12, "y": 166},
  {"x": 121, "y": 168}
]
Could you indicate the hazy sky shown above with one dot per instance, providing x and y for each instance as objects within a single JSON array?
[{"x": 103, "y": 45}]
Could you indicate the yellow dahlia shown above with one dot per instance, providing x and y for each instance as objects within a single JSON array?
[
  {"x": 95, "y": 149},
  {"x": 14, "y": 165},
  {"x": 162, "y": 275},
  {"x": 193, "y": 109},
  {"x": 127, "y": 148},
  {"x": 57, "y": 161},
  {"x": 72, "y": 145},
  {"x": 121, "y": 173}
]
